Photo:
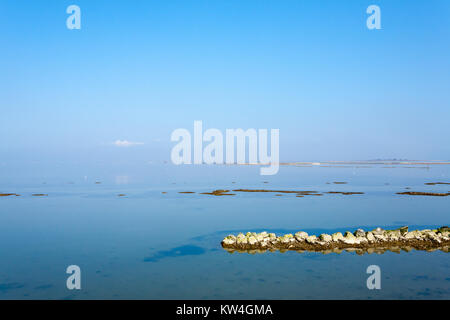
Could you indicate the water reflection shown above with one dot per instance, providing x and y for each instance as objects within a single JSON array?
[
  {"x": 358, "y": 251},
  {"x": 186, "y": 250}
]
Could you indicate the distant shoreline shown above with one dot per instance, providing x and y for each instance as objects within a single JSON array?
[{"x": 362, "y": 162}]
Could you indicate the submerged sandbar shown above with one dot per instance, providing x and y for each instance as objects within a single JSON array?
[{"x": 415, "y": 193}]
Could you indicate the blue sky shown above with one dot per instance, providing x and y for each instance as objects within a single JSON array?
[{"x": 137, "y": 70}]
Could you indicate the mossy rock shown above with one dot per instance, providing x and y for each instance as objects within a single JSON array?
[
  {"x": 444, "y": 229},
  {"x": 403, "y": 230}
]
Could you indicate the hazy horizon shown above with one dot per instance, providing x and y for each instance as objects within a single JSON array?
[{"x": 137, "y": 71}]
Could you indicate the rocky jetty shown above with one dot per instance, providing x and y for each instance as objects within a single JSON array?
[{"x": 374, "y": 240}]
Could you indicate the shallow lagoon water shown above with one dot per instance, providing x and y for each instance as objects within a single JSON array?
[{"x": 150, "y": 245}]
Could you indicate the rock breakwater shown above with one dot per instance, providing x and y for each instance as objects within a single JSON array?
[{"x": 378, "y": 238}]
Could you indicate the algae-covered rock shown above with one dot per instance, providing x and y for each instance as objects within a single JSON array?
[
  {"x": 361, "y": 240},
  {"x": 337, "y": 237},
  {"x": 325, "y": 237},
  {"x": 433, "y": 237},
  {"x": 349, "y": 235},
  {"x": 403, "y": 230},
  {"x": 241, "y": 241},
  {"x": 370, "y": 237},
  {"x": 409, "y": 235},
  {"x": 393, "y": 235},
  {"x": 275, "y": 241},
  {"x": 311, "y": 239},
  {"x": 301, "y": 236},
  {"x": 444, "y": 229},
  {"x": 252, "y": 240},
  {"x": 349, "y": 238},
  {"x": 272, "y": 236},
  {"x": 380, "y": 237},
  {"x": 360, "y": 233},
  {"x": 287, "y": 238},
  {"x": 229, "y": 240},
  {"x": 378, "y": 231},
  {"x": 417, "y": 234},
  {"x": 264, "y": 244}
]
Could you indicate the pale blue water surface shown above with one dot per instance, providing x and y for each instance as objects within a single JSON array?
[{"x": 150, "y": 245}]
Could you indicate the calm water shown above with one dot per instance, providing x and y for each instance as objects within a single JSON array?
[{"x": 153, "y": 245}]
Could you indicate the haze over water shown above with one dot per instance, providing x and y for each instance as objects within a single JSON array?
[{"x": 147, "y": 244}]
